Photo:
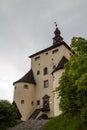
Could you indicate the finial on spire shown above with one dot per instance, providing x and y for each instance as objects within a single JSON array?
[
  {"x": 55, "y": 24},
  {"x": 57, "y": 38}
]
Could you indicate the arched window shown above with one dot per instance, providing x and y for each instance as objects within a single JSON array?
[{"x": 45, "y": 70}]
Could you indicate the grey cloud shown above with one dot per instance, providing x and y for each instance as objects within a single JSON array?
[{"x": 27, "y": 26}]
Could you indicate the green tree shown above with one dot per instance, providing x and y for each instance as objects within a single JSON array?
[
  {"x": 73, "y": 84},
  {"x": 8, "y": 113}
]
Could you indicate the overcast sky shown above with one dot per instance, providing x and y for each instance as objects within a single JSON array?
[{"x": 27, "y": 26}]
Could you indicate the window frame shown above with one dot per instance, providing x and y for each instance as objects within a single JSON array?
[
  {"x": 46, "y": 83},
  {"x": 38, "y": 72},
  {"x": 37, "y": 58},
  {"x": 22, "y": 101},
  {"x": 38, "y": 102},
  {"x": 32, "y": 103},
  {"x": 55, "y": 51},
  {"x": 45, "y": 71},
  {"x": 25, "y": 86}
]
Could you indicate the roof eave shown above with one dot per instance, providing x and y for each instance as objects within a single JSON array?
[
  {"x": 24, "y": 82},
  {"x": 57, "y": 69},
  {"x": 51, "y": 47}
]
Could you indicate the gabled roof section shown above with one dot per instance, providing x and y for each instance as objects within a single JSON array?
[
  {"x": 50, "y": 48},
  {"x": 61, "y": 64},
  {"x": 27, "y": 78}
]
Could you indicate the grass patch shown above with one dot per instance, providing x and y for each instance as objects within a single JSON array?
[{"x": 66, "y": 122}]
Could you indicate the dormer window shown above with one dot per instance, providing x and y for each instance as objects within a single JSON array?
[{"x": 45, "y": 70}]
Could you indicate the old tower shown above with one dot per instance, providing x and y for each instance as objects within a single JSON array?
[{"x": 33, "y": 93}]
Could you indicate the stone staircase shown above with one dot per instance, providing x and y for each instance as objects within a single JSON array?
[
  {"x": 35, "y": 114},
  {"x": 30, "y": 125}
]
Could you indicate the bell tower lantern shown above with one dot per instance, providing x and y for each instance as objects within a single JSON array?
[{"x": 57, "y": 38}]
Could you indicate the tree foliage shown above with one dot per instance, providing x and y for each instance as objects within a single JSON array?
[
  {"x": 73, "y": 84},
  {"x": 8, "y": 113}
]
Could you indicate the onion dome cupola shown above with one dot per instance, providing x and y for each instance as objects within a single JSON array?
[{"x": 57, "y": 38}]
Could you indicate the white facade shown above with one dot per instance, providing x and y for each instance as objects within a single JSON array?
[{"x": 29, "y": 95}]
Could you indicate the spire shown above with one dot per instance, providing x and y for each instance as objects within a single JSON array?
[{"x": 57, "y": 38}]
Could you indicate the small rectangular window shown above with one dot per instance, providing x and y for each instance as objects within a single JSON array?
[
  {"x": 54, "y": 66},
  {"x": 32, "y": 103},
  {"x": 36, "y": 58},
  {"x": 46, "y": 83},
  {"x": 46, "y": 53},
  {"x": 22, "y": 101},
  {"x": 38, "y": 72},
  {"x": 38, "y": 102},
  {"x": 25, "y": 86},
  {"x": 54, "y": 51},
  {"x": 45, "y": 70}
]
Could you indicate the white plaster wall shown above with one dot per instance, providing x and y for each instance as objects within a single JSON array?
[
  {"x": 57, "y": 76},
  {"x": 47, "y": 61},
  {"x": 28, "y": 95},
  {"x": 37, "y": 92},
  {"x": 65, "y": 52}
]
